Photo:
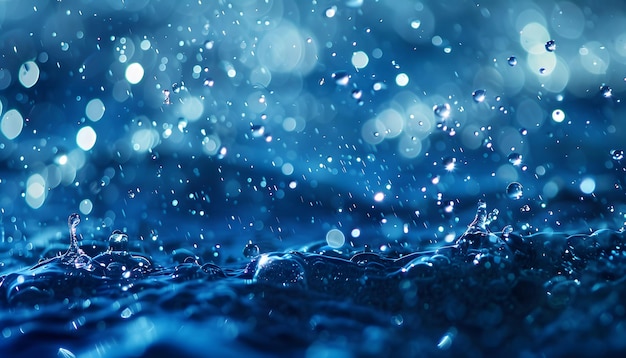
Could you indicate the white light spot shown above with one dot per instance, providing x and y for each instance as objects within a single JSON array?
[
  {"x": 402, "y": 79},
  {"x": 145, "y": 45},
  {"x": 134, "y": 73},
  {"x": 360, "y": 59},
  {"x": 355, "y": 233},
  {"x": 86, "y": 138},
  {"x": 12, "y": 124},
  {"x": 379, "y": 197},
  {"x": 95, "y": 110},
  {"x": 335, "y": 238},
  {"x": 588, "y": 185},
  {"x": 558, "y": 115}
]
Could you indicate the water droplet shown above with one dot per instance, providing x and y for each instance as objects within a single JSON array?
[
  {"x": 542, "y": 70},
  {"x": 251, "y": 250},
  {"x": 166, "y": 95},
  {"x": 515, "y": 158},
  {"x": 550, "y": 46},
  {"x": 514, "y": 190},
  {"x": 118, "y": 241},
  {"x": 617, "y": 154},
  {"x": 357, "y": 94},
  {"x": 415, "y": 24},
  {"x": 479, "y": 95},
  {"x": 507, "y": 230},
  {"x": 607, "y": 92},
  {"x": 341, "y": 78},
  {"x": 257, "y": 130},
  {"x": 512, "y": 61},
  {"x": 442, "y": 110},
  {"x": 449, "y": 163}
]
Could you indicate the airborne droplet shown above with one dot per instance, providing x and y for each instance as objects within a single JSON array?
[
  {"x": 479, "y": 95},
  {"x": 617, "y": 154},
  {"x": 341, "y": 78},
  {"x": 512, "y": 61},
  {"x": 442, "y": 110},
  {"x": 550, "y": 46},
  {"x": 251, "y": 250},
  {"x": 515, "y": 159},
  {"x": 515, "y": 190},
  {"x": 607, "y": 92}
]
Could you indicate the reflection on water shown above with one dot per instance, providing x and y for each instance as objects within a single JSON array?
[{"x": 275, "y": 177}]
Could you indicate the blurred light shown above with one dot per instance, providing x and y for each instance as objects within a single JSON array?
[
  {"x": 86, "y": 138},
  {"x": 335, "y": 238},
  {"x": 533, "y": 38},
  {"x": 567, "y": 20},
  {"x": 12, "y": 124},
  {"x": 35, "y": 191},
  {"x": 373, "y": 131},
  {"x": 409, "y": 146},
  {"x": 144, "y": 140},
  {"x": 134, "y": 73},
  {"x": 211, "y": 144},
  {"x": 85, "y": 207},
  {"x": 402, "y": 79},
  {"x": 192, "y": 108},
  {"x": 393, "y": 122},
  {"x": 145, "y": 45},
  {"x": 379, "y": 197},
  {"x": 29, "y": 74},
  {"x": 95, "y": 110},
  {"x": 595, "y": 57},
  {"x": 287, "y": 168},
  {"x": 588, "y": 185},
  {"x": 360, "y": 59}
]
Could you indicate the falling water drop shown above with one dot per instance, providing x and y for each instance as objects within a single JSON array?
[
  {"x": 341, "y": 78},
  {"x": 479, "y": 95},
  {"x": 251, "y": 250},
  {"x": 257, "y": 130},
  {"x": 449, "y": 163},
  {"x": 607, "y": 92},
  {"x": 515, "y": 190},
  {"x": 515, "y": 159},
  {"x": 550, "y": 46},
  {"x": 617, "y": 154},
  {"x": 442, "y": 110},
  {"x": 512, "y": 61}
]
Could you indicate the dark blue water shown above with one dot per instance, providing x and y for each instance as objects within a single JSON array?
[{"x": 312, "y": 178}]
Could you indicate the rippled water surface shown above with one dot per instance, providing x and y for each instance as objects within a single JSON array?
[{"x": 353, "y": 178}]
